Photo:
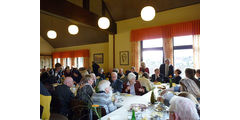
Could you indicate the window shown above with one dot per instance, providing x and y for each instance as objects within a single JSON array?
[
  {"x": 68, "y": 62},
  {"x": 79, "y": 62},
  {"x": 183, "y": 53},
  {"x": 45, "y": 61},
  {"x": 152, "y": 53}
]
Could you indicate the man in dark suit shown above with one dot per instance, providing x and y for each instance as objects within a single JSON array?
[
  {"x": 95, "y": 67},
  {"x": 116, "y": 84},
  {"x": 166, "y": 69},
  {"x": 63, "y": 95},
  {"x": 157, "y": 77}
]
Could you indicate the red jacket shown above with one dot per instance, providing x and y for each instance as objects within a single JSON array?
[
  {"x": 137, "y": 85},
  {"x": 144, "y": 70}
]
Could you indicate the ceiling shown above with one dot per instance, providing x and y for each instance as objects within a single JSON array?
[
  {"x": 86, "y": 35},
  {"x": 125, "y": 9},
  {"x": 119, "y": 10}
]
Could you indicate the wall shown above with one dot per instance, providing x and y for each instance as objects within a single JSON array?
[
  {"x": 122, "y": 38},
  {"x": 93, "y": 48},
  {"x": 45, "y": 47}
]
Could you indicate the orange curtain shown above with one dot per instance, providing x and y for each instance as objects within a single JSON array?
[
  {"x": 167, "y": 31},
  {"x": 168, "y": 49},
  {"x": 135, "y": 55},
  {"x": 86, "y": 62},
  {"x": 71, "y": 54}
]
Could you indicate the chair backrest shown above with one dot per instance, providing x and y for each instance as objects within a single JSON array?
[{"x": 45, "y": 103}]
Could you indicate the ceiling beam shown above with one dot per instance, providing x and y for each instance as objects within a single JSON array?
[{"x": 74, "y": 12}]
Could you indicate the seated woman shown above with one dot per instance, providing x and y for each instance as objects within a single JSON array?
[
  {"x": 145, "y": 82},
  {"x": 132, "y": 86},
  {"x": 182, "y": 109},
  {"x": 104, "y": 96},
  {"x": 143, "y": 68},
  {"x": 86, "y": 90},
  {"x": 177, "y": 76},
  {"x": 100, "y": 75},
  {"x": 67, "y": 72}
]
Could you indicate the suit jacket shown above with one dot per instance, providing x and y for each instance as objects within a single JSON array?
[
  {"x": 137, "y": 85},
  {"x": 177, "y": 79},
  {"x": 170, "y": 70},
  {"x": 117, "y": 86},
  {"x": 159, "y": 79},
  {"x": 64, "y": 96}
]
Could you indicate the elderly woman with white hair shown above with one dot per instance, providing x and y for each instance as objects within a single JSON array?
[
  {"x": 182, "y": 109},
  {"x": 104, "y": 96},
  {"x": 132, "y": 86}
]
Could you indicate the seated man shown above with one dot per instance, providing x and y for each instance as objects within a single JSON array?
[
  {"x": 182, "y": 109},
  {"x": 121, "y": 74},
  {"x": 64, "y": 96},
  {"x": 132, "y": 86},
  {"x": 116, "y": 84},
  {"x": 156, "y": 77},
  {"x": 104, "y": 96}
]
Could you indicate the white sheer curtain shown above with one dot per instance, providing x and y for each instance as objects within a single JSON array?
[{"x": 196, "y": 51}]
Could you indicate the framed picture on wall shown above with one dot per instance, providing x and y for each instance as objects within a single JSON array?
[
  {"x": 124, "y": 58},
  {"x": 98, "y": 58}
]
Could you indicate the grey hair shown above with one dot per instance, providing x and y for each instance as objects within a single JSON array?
[
  {"x": 103, "y": 84},
  {"x": 100, "y": 69},
  {"x": 114, "y": 73},
  {"x": 184, "y": 108},
  {"x": 84, "y": 73},
  {"x": 131, "y": 76},
  {"x": 133, "y": 67}
]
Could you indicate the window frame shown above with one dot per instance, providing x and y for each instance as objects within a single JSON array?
[
  {"x": 149, "y": 49},
  {"x": 182, "y": 47}
]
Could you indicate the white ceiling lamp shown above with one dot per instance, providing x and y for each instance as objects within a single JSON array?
[
  {"x": 73, "y": 29},
  {"x": 51, "y": 34},
  {"x": 103, "y": 23},
  {"x": 148, "y": 13}
]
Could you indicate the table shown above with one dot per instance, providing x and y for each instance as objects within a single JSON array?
[{"x": 122, "y": 112}]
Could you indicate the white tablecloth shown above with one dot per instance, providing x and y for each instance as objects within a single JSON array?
[{"x": 122, "y": 112}]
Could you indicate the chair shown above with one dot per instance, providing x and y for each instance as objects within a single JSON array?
[{"x": 45, "y": 103}]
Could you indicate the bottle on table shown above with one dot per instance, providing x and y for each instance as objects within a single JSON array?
[{"x": 133, "y": 115}]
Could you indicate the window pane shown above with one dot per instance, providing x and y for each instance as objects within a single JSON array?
[
  {"x": 183, "y": 40},
  {"x": 58, "y": 60},
  {"x": 153, "y": 59},
  {"x": 183, "y": 59},
  {"x": 80, "y": 62},
  {"x": 153, "y": 43},
  {"x": 69, "y": 62}
]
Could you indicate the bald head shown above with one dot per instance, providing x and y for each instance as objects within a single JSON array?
[{"x": 68, "y": 81}]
